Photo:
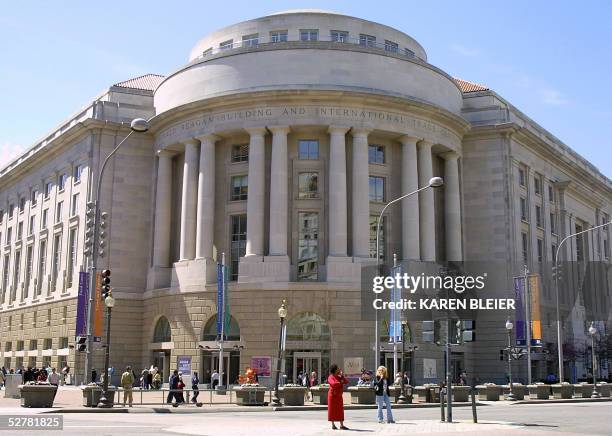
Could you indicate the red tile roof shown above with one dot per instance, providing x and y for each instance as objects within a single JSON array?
[
  {"x": 469, "y": 86},
  {"x": 147, "y": 82}
]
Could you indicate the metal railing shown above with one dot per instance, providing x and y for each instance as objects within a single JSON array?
[{"x": 157, "y": 397}]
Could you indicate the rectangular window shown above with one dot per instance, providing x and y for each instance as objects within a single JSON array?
[
  {"x": 28, "y": 272},
  {"x": 540, "y": 248},
  {"x": 240, "y": 188},
  {"x": 553, "y": 223},
  {"x": 551, "y": 194},
  {"x": 240, "y": 153},
  {"x": 76, "y": 173},
  {"x": 309, "y": 35},
  {"x": 63, "y": 342},
  {"x": 57, "y": 254},
  {"x": 61, "y": 182},
  {"x": 579, "y": 244},
  {"x": 72, "y": 255},
  {"x": 308, "y": 246},
  {"x": 22, "y": 202},
  {"x": 58, "y": 211},
  {"x": 5, "y": 273},
  {"x": 521, "y": 177},
  {"x": 537, "y": 184},
  {"x": 8, "y": 347},
  {"x": 16, "y": 273},
  {"x": 525, "y": 247},
  {"x": 34, "y": 197},
  {"x": 226, "y": 45},
  {"x": 48, "y": 344},
  {"x": 538, "y": 216},
  {"x": 391, "y": 46},
  {"x": 48, "y": 188},
  {"x": 524, "y": 209},
  {"x": 367, "y": 40},
  {"x": 408, "y": 52},
  {"x": 376, "y": 154},
  {"x": 33, "y": 344},
  {"x": 606, "y": 253},
  {"x": 19, "y": 230},
  {"x": 377, "y": 189},
  {"x": 32, "y": 225},
  {"x": 9, "y": 235},
  {"x": 20, "y": 346},
  {"x": 338, "y": 36},
  {"x": 11, "y": 210},
  {"x": 308, "y": 185},
  {"x": 1, "y": 216},
  {"x": 238, "y": 243},
  {"x": 308, "y": 149},
  {"x": 42, "y": 264},
  {"x": 45, "y": 219},
  {"x": 278, "y": 36},
  {"x": 74, "y": 207},
  {"x": 250, "y": 40},
  {"x": 381, "y": 237}
]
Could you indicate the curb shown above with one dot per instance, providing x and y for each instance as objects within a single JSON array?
[{"x": 561, "y": 401}]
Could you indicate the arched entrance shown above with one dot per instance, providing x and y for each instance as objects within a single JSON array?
[
  {"x": 161, "y": 347},
  {"x": 209, "y": 347},
  {"x": 307, "y": 347}
]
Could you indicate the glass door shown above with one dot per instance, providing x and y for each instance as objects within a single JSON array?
[{"x": 306, "y": 363}]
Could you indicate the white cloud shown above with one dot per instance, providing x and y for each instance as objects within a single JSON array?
[
  {"x": 9, "y": 151},
  {"x": 464, "y": 51},
  {"x": 553, "y": 97}
]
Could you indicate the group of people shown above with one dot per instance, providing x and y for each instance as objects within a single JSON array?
[
  {"x": 150, "y": 378},
  {"x": 43, "y": 374},
  {"x": 177, "y": 384},
  {"x": 335, "y": 403}
]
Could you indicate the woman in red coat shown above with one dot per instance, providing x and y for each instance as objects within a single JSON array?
[{"x": 335, "y": 405}]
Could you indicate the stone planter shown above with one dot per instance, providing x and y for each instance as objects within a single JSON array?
[
  {"x": 461, "y": 393},
  {"x": 604, "y": 389},
  {"x": 37, "y": 395},
  {"x": 421, "y": 393},
  {"x": 92, "y": 394},
  {"x": 489, "y": 392},
  {"x": 394, "y": 392},
  {"x": 562, "y": 391},
  {"x": 293, "y": 395},
  {"x": 362, "y": 395},
  {"x": 583, "y": 390},
  {"x": 539, "y": 392},
  {"x": 319, "y": 394},
  {"x": 519, "y": 390},
  {"x": 12, "y": 382},
  {"x": 250, "y": 395}
]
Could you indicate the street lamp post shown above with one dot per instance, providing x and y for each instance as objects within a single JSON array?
[
  {"x": 558, "y": 309},
  {"x": 434, "y": 182},
  {"x": 509, "y": 327},
  {"x": 593, "y": 332},
  {"x": 138, "y": 125},
  {"x": 282, "y": 314},
  {"x": 109, "y": 301}
]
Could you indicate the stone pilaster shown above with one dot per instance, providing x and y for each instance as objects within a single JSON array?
[
  {"x": 426, "y": 203},
  {"x": 189, "y": 200},
  {"x": 452, "y": 207},
  {"x": 410, "y": 206},
  {"x": 360, "y": 194}
]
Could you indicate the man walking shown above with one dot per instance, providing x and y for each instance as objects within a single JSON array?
[
  {"x": 172, "y": 385},
  {"x": 127, "y": 382}
]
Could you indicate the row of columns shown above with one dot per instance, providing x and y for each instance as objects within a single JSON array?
[{"x": 198, "y": 197}]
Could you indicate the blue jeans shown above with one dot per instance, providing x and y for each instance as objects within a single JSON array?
[{"x": 384, "y": 400}]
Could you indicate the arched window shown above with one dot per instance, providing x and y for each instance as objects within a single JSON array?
[
  {"x": 210, "y": 330},
  {"x": 307, "y": 326},
  {"x": 162, "y": 332}
]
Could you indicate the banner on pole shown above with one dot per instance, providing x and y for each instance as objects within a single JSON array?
[
  {"x": 98, "y": 310},
  {"x": 220, "y": 285},
  {"x": 183, "y": 365},
  {"x": 536, "y": 321},
  {"x": 395, "y": 314},
  {"x": 519, "y": 315},
  {"x": 81, "y": 318}
]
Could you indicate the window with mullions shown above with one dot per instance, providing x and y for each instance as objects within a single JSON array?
[
  {"x": 278, "y": 36},
  {"x": 308, "y": 149},
  {"x": 238, "y": 243},
  {"x": 376, "y": 154},
  {"x": 240, "y": 188},
  {"x": 525, "y": 247},
  {"x": 308, "y": 185},
  {"x": 308, "y": 246},
  {"x": 377, "y": 189},
  {"x": 309, "y": 35},
  {"x": 240, "y": 153},
  {"x": 250, "y": 40},
  {"x": 338, "y": 36},
  {"x": 367, "y": 40},
  {"x": 391, "y": 46},
  {"x": 381, "y": 240},
  {"x": 226, "y": 45}
]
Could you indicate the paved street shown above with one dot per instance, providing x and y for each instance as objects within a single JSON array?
[{"x": 499, "y": 419}]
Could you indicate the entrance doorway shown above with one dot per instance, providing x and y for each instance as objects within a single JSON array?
[
  {"x": 161, "y": 359},
  {"x": 231, "y": 366},
  {"x": 306, "y": 362}
]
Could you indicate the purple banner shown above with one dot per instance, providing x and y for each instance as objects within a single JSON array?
[
  {"x": 519, "y": 315},
  {"x": 81, "y": 316}
]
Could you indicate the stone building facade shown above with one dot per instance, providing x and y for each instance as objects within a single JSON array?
[{"x": 276, "y": 146}]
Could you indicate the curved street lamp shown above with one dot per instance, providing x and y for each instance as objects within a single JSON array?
[
  {"x": 509, "y": 327},
  {"x": 282, "y": 314},
  {"x": 109, "y": 302},
  {"x": 434, "y": 182},
  {"x": 593, "y": 332}
]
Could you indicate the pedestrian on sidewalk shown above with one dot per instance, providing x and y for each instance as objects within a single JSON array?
[
  {"x": 180, "y": 386},
  {"x": 127, "y": 381},
  {"x": 157, "y": 380},
  {"x": 94, "y": 375},
  {"x": 335, "y": 405},
  {"x": 195, "y": 381},
  {"x": 54, "y": 377},
  {"x": 172, "y": 385},
  {"x": 144, "y": 379},
  {"x": 2, "y": 378},
  {"x": 381, "y": 385},
  {"x": 214, "y": 378}
]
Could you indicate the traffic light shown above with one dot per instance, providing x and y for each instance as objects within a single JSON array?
[
  {"x": 81, "y": 343},
  {"x": 89, "y": 227},
  {"x": 102, "y": 234},
  {"x": 105, "y": 283},
  {"x": 557, "y": 273}
]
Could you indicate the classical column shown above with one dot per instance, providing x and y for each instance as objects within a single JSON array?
[
  {"x": 360, "y": 194},
  {"x": 257, "y": 196},
  {"x": 279, "y": 192},
  {"x": 337, "y": 192},
  {"x": 452, "y": 207},
  {"x": 426, "y": 203},
  {"x": 206, "y": 198},
  {"x": 411, "y": 249},
  {"x": 189, "y": 200},
  {"x": 163, "y": 202}
]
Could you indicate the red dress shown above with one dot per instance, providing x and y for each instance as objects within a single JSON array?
[{"x": 335, "y": 406}]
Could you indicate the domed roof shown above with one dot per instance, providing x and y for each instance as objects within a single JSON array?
[{"x": 306, "y": 11}]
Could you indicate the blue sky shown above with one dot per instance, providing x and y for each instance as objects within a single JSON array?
[{"x": 551, "y": 59}]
